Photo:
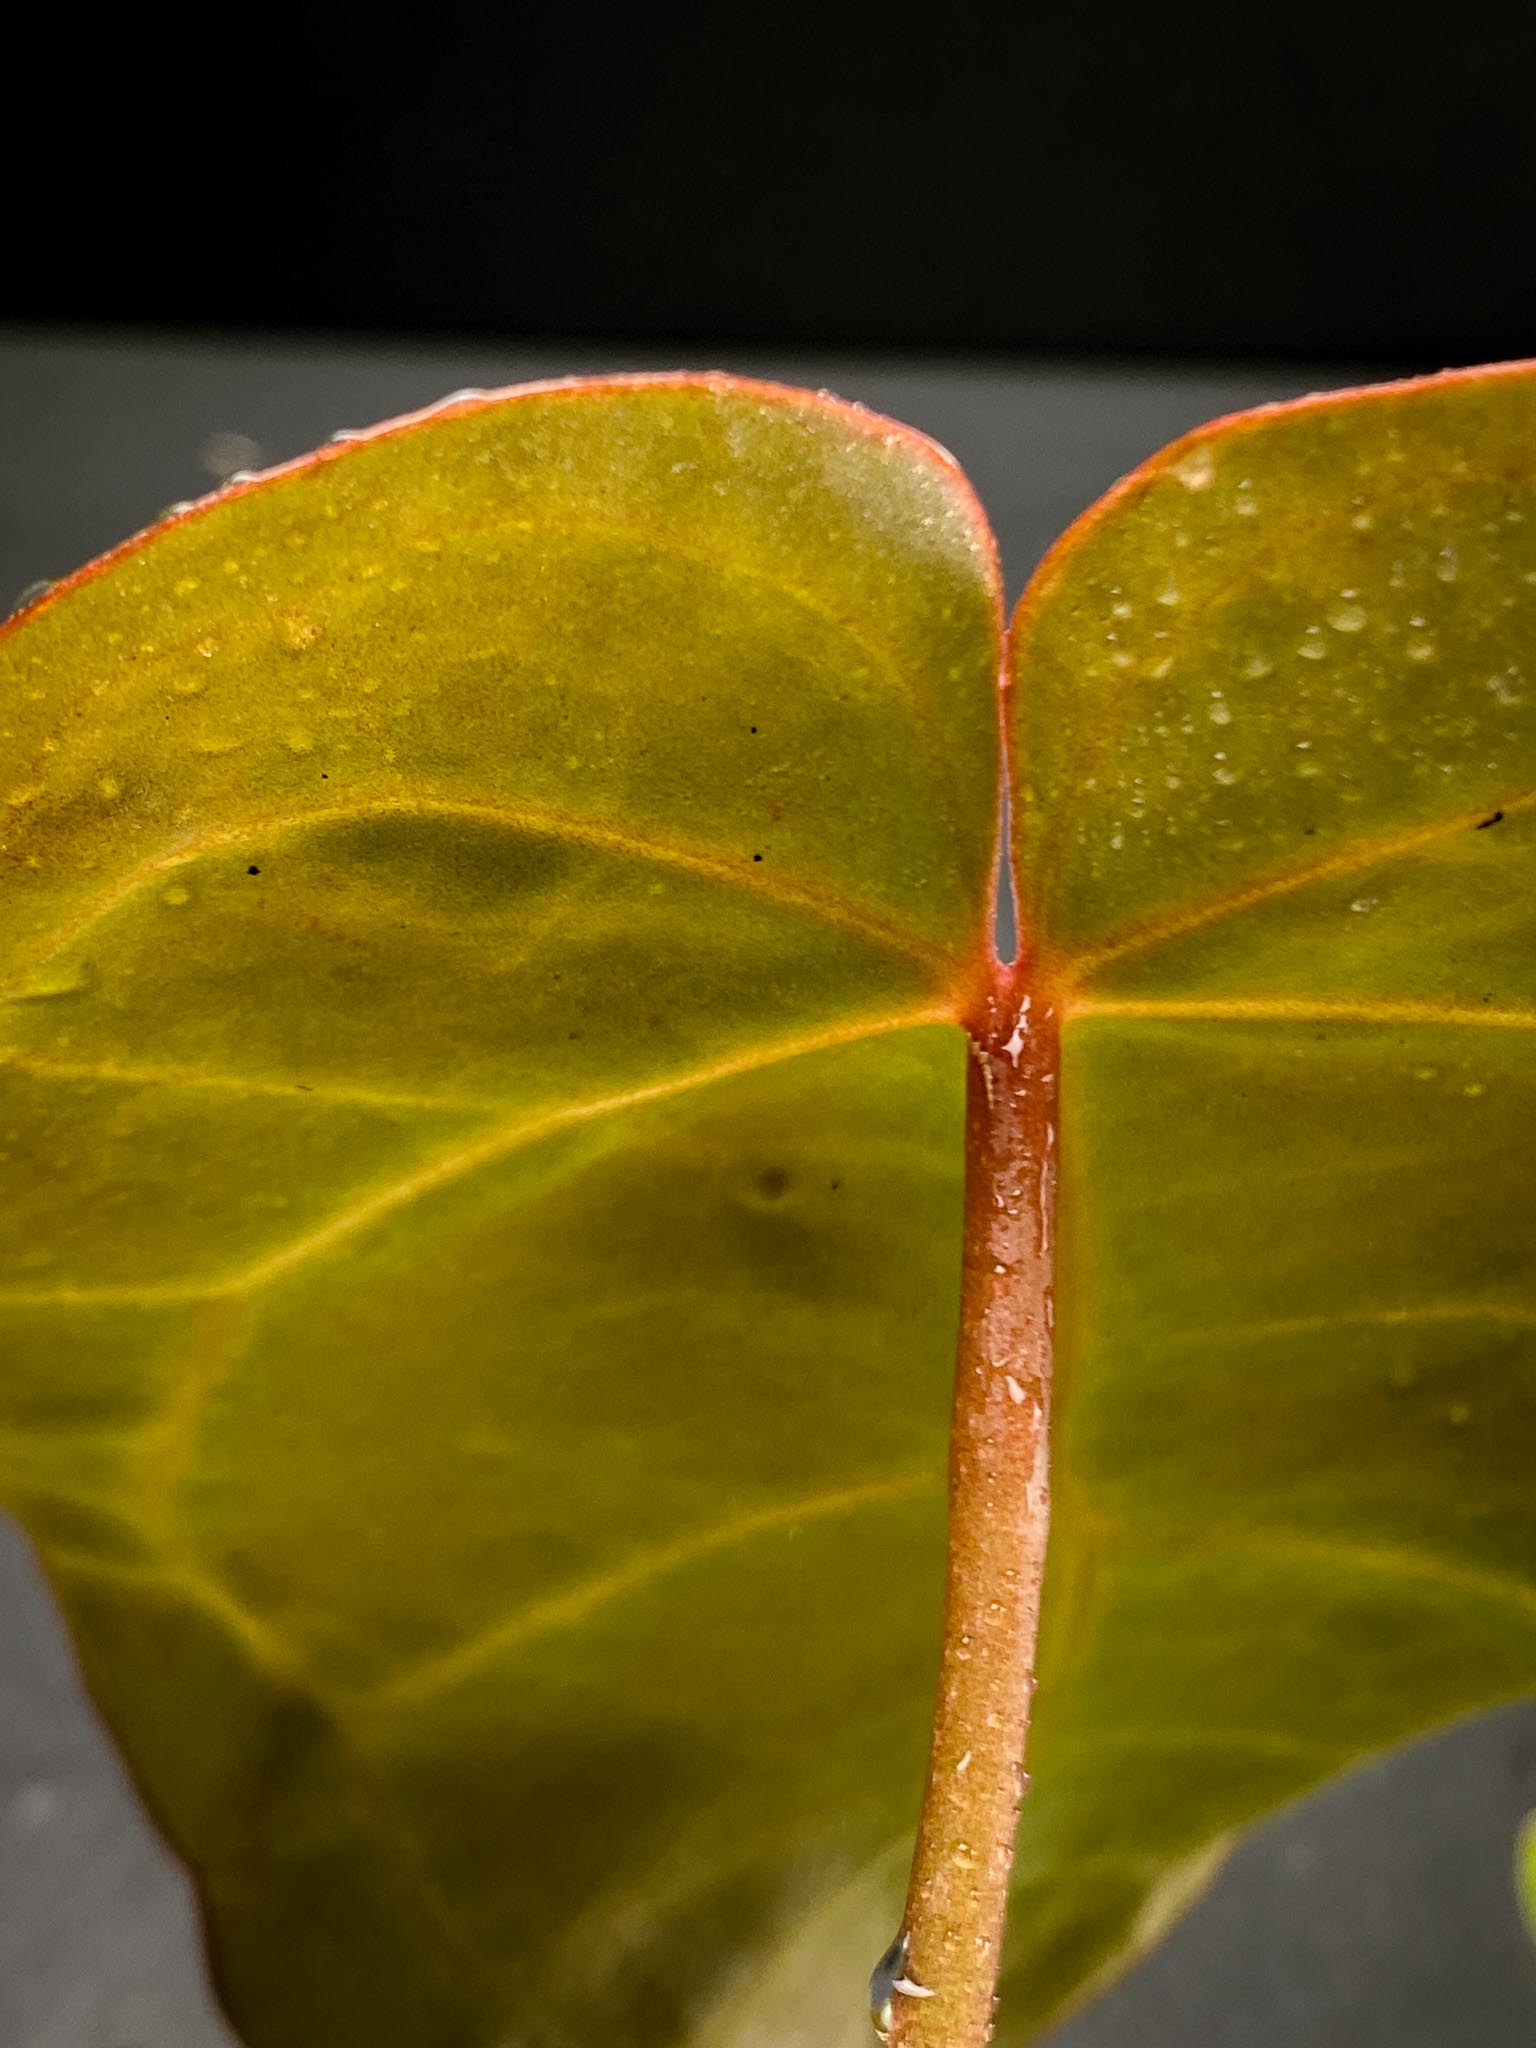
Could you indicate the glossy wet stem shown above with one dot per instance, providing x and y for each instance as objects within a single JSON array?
[{"x": 999, "y": 1509}]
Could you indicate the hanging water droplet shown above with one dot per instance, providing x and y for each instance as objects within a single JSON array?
[
  {"x": 1310, "y": 646},
  {"x": 1448, "y": 563},
  {"x": 1219, "y": 711},
  {"x": 1197, "y": 471},
  {"x": 888, "y": 1981},
  {"x": 1168, "y": 593},
  {"x": 882, "y": 1986}
]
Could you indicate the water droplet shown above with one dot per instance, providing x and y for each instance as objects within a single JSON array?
[
  {"x": 31, "y": 594},
  {"x": 1419, "y": 647},
  {"x": 1257, "y": 666},
  {"x": 1310, "y": 646},
  {"x": 964, "y": 1856},
  {"x": 297, "y": 632},
  {"x": 1363, "y": 904},
  {"x": 1224, "y": 775},
  {"x": 1197, "y": 471},
  {"x": 58, "y": 978},
  {"x": 1219, "y": 711},
  {"x": 1245, "y": 504},
  {"x": 176, "y": 894},
  {"x": 1502, "y": 687},
  {"x": 1345, "y": 616},
  {"x": 964, "y": 1765},
  {"x": 888, "y": 1981},
  {"x": 223, "y": 453},
  {"x": 1169, "y": 592},
  {"x": 1475, "y": 1088},
  {"x": 882, "y": 1986},
  {"x": 1448, "y": 563}
]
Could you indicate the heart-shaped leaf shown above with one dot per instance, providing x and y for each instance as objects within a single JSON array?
[
  {"x": 483, "y": 1149},
  {"x": 1276, "y": 724},
  {"x": 485, "y": 919}
]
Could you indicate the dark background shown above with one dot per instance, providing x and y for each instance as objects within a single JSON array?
[
  {"x": 1344, "y": 181},
  {"x": 1054, "y": 238}
]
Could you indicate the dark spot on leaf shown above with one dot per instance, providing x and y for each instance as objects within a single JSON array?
[
  {"x": 836, "y": 1185},
  {"x": 1483, "y": 823},
  {"x": 253, "y": 871},
  {"x": 754, "y": 728},
  {"x": 773, "y": 1183},
  {"x": 757, "y": 856}
]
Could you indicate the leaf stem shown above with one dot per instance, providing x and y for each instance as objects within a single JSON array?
[{"x": 942, "y": 1994}]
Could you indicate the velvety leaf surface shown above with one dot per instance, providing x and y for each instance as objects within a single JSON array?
[
  {"x": 482, "y": 1134},
  {"x": 1276, "y": 716}
]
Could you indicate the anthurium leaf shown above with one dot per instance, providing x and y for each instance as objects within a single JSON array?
[
  {"x": 482, "y": 917},
  {"x": 1275, "y": 713},
  {"x": 495, "y": 1474}
]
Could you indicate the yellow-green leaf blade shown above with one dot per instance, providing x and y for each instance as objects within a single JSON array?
[
  {"x": 1270, "y": 704},
  {"x": 482, "y": 913}
]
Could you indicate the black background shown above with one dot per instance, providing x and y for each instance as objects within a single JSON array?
[{"x": 1333, "y": 182}]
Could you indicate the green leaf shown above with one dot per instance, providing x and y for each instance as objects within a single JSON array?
[
  {"x": 1525, "y": 1872},
  {"x": 495, "y": 1475},
  {"x": 1272, "y": 696},
  {"x": 482, "y": 1162}
]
